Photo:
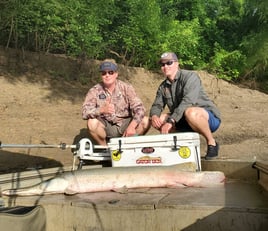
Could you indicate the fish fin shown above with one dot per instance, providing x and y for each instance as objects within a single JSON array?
[
  {"x": 122, "y": 190},
  {"x": 69, "y": 192},
  {"x": 139, "y": 190},
  {"x": 177, "y": 185}
]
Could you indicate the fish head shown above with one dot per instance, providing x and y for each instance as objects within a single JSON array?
[{"x": 52, "y": 186}]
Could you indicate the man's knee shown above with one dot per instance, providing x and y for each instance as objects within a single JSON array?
[
  {"x": 195, "y": 113},
  {"x": 190, "y": 113},
  {"x": 93, "y": 124}
]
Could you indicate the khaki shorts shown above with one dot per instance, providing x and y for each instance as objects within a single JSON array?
[{"x": 113, "y": 130}]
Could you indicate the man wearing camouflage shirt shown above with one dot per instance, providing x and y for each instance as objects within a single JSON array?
[{"x": 113, "y": 108}]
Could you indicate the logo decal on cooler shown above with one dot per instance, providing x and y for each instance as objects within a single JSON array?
[
  {"x": 149, "y": 160},
  {"x": 184, "y": 152},
  {"x": 147, "y": 150},
  {"x": 116, "y": 155}
]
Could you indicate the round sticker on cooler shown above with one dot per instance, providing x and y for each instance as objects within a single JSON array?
[
  {"x": 116, "y": 155},
  {"x": 184, "y": 152}
]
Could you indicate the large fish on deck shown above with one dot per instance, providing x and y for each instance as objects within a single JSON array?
[{"x": 123, "y": 178}]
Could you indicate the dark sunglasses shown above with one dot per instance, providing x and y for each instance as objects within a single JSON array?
[
  {"x": 105, "y": 72},
  {"x": 167, "y": 63}
]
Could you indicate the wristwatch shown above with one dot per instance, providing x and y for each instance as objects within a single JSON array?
[{"x": 170, "y": 121}]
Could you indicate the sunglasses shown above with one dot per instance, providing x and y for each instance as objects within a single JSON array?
[
  {"x": 167, "y": 63},
  {"x": 105, "y": 73}
]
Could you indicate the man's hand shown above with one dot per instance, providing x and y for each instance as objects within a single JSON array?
[
  {"x": 165, "y": 129},
  {"x": 156, "y": 122},
  {"x": 107, "y": 108},
  {"x": 131, "y": 129}
]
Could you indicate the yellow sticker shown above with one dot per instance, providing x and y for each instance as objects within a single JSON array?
[
  {"x": 184, "y": 152},
  {"x": 116, "y": 155}
]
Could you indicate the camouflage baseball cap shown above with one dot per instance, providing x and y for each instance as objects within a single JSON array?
[{"x": 168, "y": 56}]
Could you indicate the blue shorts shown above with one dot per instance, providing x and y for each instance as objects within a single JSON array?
[{"x": 213, "y": 121}]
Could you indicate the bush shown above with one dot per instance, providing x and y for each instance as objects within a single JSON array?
[{"x": 227, "y": 65}]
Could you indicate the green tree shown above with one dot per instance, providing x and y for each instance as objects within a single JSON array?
[
  {"x": 228, "y": 38},
  {"x": 255, "y": 42},
  {"x": 136, "y": 32}
]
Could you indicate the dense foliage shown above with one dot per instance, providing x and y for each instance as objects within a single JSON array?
[{"x": 228, "y": 38}]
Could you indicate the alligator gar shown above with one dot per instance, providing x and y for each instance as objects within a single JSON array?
[{"x": 122, "y": 178}]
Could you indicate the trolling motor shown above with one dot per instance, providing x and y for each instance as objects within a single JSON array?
[{"x": 83, "y": 151}]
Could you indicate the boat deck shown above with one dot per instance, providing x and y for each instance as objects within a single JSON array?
[{"x": 241, "y": 204}]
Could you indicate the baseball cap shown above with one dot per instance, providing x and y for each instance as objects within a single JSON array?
[
  {"x": 168, "y": 56},
  {"x": 108, "y": 66}
]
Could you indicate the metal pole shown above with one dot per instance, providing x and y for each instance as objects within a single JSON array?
[{"x": 61, "y": 146}]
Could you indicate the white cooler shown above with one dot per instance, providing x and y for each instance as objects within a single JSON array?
[{"x": 152, "y": 150}]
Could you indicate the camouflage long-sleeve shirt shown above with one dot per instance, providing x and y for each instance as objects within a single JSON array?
[{"x": 124, "y": 98}]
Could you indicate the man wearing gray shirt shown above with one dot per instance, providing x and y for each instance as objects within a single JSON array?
[{"x": 190, "y": 109}]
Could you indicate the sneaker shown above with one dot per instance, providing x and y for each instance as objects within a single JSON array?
[{"x": 212, "y": 151}]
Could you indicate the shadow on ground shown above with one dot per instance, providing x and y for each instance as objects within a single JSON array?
[{"x": 14, "y": 162}]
